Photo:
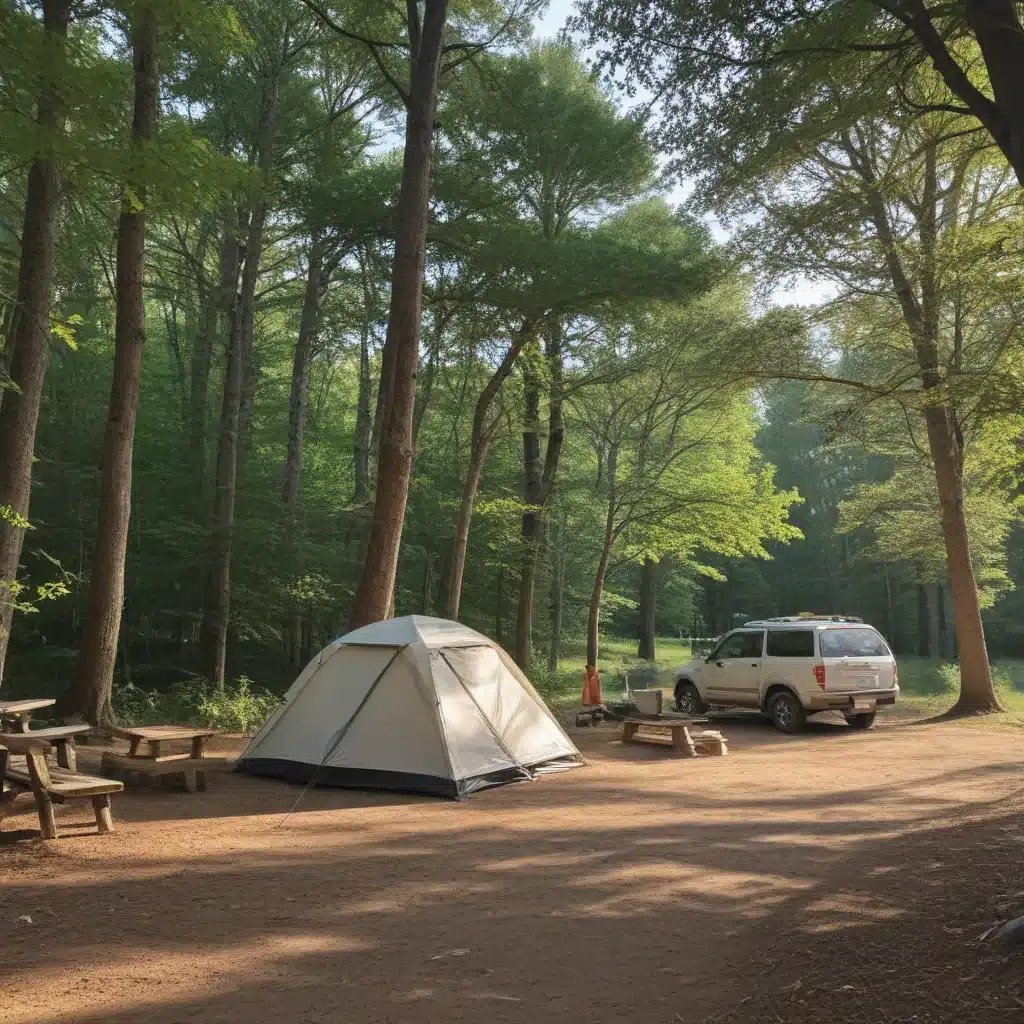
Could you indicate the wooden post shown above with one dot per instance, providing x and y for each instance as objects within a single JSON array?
[
  {"x": 682, "y": 743},
  {"x": 198, "y": 742},
  {"x": 101, "y": 805},
  {"x": 67, "y": 757},
  {"x": 39, "y": 775}
]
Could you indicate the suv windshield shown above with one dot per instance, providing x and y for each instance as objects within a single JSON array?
[{"x": 852, "y": 643}]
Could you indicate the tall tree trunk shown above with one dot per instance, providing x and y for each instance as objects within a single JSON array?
[
  {"x": 401, "y": 346},
  {"x": 28, "y": 346},
  {"x": 594, "y": 612},
  {"x": 648, "y": 608},
  {"x": 218, "y": 302},
  {"x": 95, "y": 670},
  {"x": 479, "y": 445},
  {"x": 428, "y": 582},
  {"x": 538, "y": 482},
  {"x": 258, "y": 206},
  {"x": 557, "y": 590},
  {"x": 921, "y": 317},
  {"x": 214, "y": 632},
  {"x": 300, "y": 377},
  {"x": 364, "y": 422}
]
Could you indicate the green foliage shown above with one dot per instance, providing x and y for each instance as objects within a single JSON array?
[{"x": 238, "y": 708}]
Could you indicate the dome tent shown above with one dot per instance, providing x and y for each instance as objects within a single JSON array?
[{"x": 414, "y": 704}]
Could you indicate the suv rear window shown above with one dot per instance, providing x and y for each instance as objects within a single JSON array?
[
  {"x": 791, "y": 643},
  {"x": 852, "y": 643}
]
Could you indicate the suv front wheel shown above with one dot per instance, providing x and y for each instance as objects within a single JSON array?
[
  {"x": 688, "y": 700},
  {"x": 786, "y": 712}
]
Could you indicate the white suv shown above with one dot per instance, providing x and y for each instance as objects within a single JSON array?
[{"x": 792, "y": 667}]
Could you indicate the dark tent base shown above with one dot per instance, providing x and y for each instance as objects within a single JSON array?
[{"x": 366, "y": 778}]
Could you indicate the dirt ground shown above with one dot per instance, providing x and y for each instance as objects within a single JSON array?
[{"x": 833, "y": 877}]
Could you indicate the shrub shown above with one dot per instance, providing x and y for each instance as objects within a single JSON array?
[{"x": 238, "y": 708}]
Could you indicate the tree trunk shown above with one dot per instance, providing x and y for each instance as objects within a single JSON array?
[
  {"x": 218, "y": 303},
  {"x": 934, "y": 647},
  {"x": 648, "y": 608},
  {"x": 922, "y": 319},
  {"x": 265, "y": 133},
  {"x": 538, "y": 483},
  {"x": 401, "y": 347},
  {"x": 28, "y": 346},
  {"x": 428, "y": 583},
  {"x": 976, "y": 690},
  {"x": 364, "y": 422},
  {"x": 95, "y": 670},
  {"x": 594, "y": 612},
  {"x": 300, "y": 377},
  {"x": 557, "y": 590},
  {"x": 214, "y": 633},
  {"x": 479, "y": 445}
]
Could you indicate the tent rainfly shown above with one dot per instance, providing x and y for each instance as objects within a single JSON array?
[{"x": 415, "y": 704}]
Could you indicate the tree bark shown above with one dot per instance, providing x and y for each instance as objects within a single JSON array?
[
  {"x": 648, "y": 608},
  {"x": 258, "y": 205},
  {"x": 538, "y": 483},
  {"x": 214, "y": 631},
  {"x": 217, "y": 303},
  {"x": 594, "y": 612},
  {"x": 557, "y": 591},
  {"x": 95, "y": 670},
  {"x": 300, "y": 377},
  {"x": 479, "y": 445},
  {"x": 364, "y": 422},
  {"x": 401, "y": 347},
  {"x": 29, "y": 343}
]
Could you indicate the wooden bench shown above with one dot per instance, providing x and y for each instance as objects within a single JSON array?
[
  {"x": 63, "y": 738},
  {"x": 49, "y": 787},
  {"x": 685, "y": 741},
  {"x": 191, "y": 769}
]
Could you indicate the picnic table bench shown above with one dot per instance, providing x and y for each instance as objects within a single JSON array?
[
  {"x": 685, "y": 740},
  {"x": 49, "y": 786},
  {"x": 191, "y": 766}
]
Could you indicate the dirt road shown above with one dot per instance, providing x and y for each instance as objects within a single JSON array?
[{"x": 833, "y": 877}]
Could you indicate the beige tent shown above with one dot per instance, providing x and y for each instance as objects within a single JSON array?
[{"x": 413, "y": 704}]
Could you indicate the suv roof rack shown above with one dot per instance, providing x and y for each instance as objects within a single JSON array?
[{"x": 781, "y": 619}]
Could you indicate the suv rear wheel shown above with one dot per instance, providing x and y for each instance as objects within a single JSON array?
[
  {"x": 688, "y": 700},
  {"x": 786, "y": 712},
  {"x": 862, "y": 721}
]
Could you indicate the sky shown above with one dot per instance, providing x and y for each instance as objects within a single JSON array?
[{"x": 801, "y": 291}]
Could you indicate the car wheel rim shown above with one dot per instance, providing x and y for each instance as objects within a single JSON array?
[
  {"x": 783, "y": 713},
  {"x": 686, "y": 701}
]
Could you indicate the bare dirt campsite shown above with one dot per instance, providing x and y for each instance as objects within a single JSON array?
[{"x": 830, "y": 877}]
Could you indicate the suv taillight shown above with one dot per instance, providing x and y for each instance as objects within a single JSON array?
[{"x": 819, "y": 675}]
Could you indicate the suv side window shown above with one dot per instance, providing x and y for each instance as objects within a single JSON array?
[
  {"x": 791, "y": 643},
  {"x": 745, "y": 644}
]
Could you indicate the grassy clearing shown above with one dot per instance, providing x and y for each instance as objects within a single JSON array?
[{"x": 928, "y": 686}]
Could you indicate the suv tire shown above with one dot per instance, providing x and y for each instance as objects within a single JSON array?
[
  {"x": 688, "y": 700},
  {"x": 786, "y": 712},
  {"x": 861, "y": 721}
]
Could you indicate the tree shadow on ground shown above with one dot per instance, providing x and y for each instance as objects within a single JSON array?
[{"x": 574, "y": 899}]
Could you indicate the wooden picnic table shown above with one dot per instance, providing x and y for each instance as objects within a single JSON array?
[
  {"x": 154, "y": 735},
  {"x": 191, "y": 767},
  {"x": 20, "y": 711},
  {"x": 684, "y": 740}
]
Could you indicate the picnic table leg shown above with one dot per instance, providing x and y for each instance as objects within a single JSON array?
[
  {"x": 200, "y": 780},
  {"x": 37, "y": 773},
  {"x": 22, "y": 723},
  {"x": 101, "y": 805},
  {"x": 67, "y": 757},
  {"x": 198, "y": 742},
  {"x": 133, "y": 749},
  {"x": 682, "y": 743},
  {"x": 188, "y": 778},
  {"x": 154, "y": 749},
  {"x": 629, "y": 730}
]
